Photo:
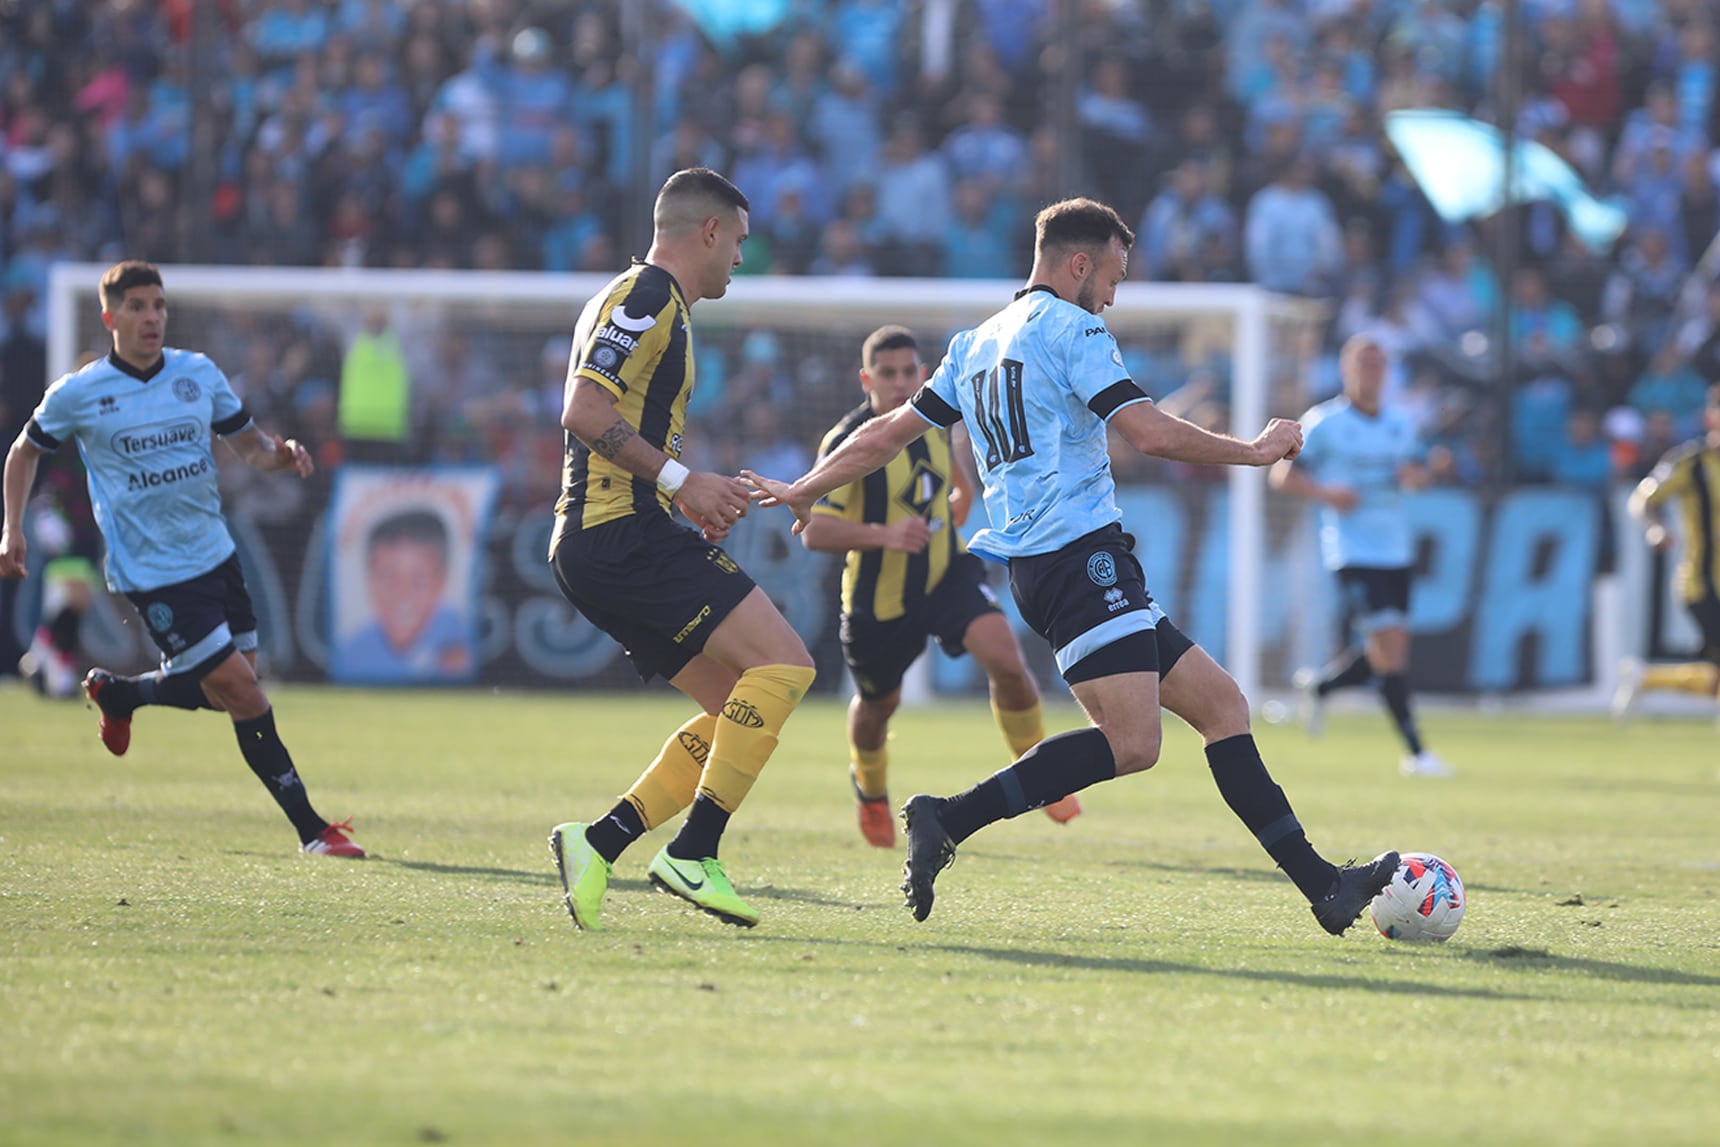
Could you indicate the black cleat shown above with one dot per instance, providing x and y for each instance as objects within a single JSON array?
[
  {"x": 1357, "y": 885},
  {"x": 930, "y": 851}
]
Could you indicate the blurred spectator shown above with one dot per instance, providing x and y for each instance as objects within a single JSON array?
[
  {"x": 984, "y": 149},
  {"x": 1584, "y": 459},
  {"x": 1178, "y": 224},
  {"x": 1670, "y": 386},
  {"x": 1117, "y": 135},
  {"x": 1643, "y": 293},
  {"x": 844, "y": 128},
  {"x": 1292, "y": 239},
  {"x": 376, "y": 393},
  {"x": 977, "y": 242},
  {"x": 1458, "y": 294},
  {"x": 913, "y": 192},
  {"x": 1543, "y": 328}
]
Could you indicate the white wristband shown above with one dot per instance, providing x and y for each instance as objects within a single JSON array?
[{"x": 671, "y": 476}]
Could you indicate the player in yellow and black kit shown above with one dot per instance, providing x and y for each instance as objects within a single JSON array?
[
  {"x": 908, "y": 577},
  {"x": 1690, "y": 474},
  {"x": 675, "y": 601}
]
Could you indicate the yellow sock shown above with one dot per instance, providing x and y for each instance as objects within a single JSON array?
[
  {"x": 1022, "y": 728},
  {"x": 1689, "y": 677},
  {"x": 755, "y": 713},
  {"x": 667, "y": 785},
  {"x": 870, "y": 768}
]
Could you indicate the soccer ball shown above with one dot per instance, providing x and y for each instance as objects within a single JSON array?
[{"x": 1424, "y": 900}]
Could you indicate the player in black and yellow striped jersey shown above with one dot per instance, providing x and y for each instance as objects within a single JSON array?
[
  {"x": 909, "y": 577},
  {"x": 1690, "y": 475},
  {"x": 679, "y": 605}
]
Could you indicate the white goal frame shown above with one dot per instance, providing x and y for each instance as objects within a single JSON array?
[{"x": 790, "y": 302}]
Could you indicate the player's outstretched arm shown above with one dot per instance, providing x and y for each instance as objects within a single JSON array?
[
  {"x": 713, "y": 502},
  {"x": 862, "y": 452},
  {"x": 20, "y": 478},
  {"x": 1151, "y": 431},
  {"x": 263, "y": 451},
  {"x": 1290, "y": 478},
  {"x": 829, "y": 534}
]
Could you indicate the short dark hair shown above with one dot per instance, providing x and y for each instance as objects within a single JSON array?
[
  {"x": 699, "y": 183},
  {"x": 420, "y": 526},
  {"x": 1084, "y": 224},
  {"x": 890, "y": 337},
  {"x": 122, "y": 277}
]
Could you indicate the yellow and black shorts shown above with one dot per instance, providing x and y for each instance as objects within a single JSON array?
[{"x": 653, "y": 585}]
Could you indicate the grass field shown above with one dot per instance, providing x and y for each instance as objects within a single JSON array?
[{"x": 175, "y": 974}]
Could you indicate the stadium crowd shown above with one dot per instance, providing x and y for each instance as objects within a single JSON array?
[{"x": 898, "y": 137}]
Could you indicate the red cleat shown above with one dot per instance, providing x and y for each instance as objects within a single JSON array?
[
  {"x": 1065, "y": 810},
  {"x": 115, "y": 730},
  {"x": 333, "y": 841},
  {"x": 877, "y": 822}
]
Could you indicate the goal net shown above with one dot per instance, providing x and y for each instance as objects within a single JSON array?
[{"x": 486, "y": 354}]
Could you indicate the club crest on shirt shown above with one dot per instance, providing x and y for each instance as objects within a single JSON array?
[
  {"x": 1102, "y": 568},
  {"x": 187, "y": 389}
]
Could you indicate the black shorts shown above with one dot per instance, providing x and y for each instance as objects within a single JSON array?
[
  {"x": 1375, "y": 597},
  {"x": 879, "y": 652},
  {"x": 1090, "y": 601},
  {"x": 653, "y": 585},
  {"x": 1706, "y": 613},
  {"x": 197, "y": 623}
]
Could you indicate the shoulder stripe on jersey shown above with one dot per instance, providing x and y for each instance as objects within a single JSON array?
[
  {"x": 44, "y": 441},
  {"x": 934, "y": 409},
  {"x": 233, "y": 423},
  {"x": 1114, "y": 397}
]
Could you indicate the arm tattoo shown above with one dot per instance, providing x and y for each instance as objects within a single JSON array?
[{"x": 610, "y": 442}]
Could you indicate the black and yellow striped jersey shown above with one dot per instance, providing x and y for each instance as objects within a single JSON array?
[
  {"x": 632, "y": 339},
  {"x": 882, "y": 583},
  {"x": 1691, "y": 474}
]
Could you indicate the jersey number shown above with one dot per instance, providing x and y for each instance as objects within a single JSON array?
[{"x": 1000, "y": 415}]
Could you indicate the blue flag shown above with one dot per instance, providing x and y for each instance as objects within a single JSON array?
[{"x": 1460, "y": 162}]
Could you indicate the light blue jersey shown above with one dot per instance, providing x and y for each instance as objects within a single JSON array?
[
  {"x": 1035, "y": 384},
  {"x": 145, "y": 438},
  {"x": 1342, "y": 446}
]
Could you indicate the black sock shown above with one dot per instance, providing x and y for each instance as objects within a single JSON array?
[
  {"x": 1049, "y": 771},
  {"x": 63, "y": 630},
  {"x": 1394, "y": 687},
  {"x": 611, "y": 835},
  {"x": 1348, "y": 668},
  {"x": 269, "y": 759},
  {"x": 1262, "y": 806},
  {"x": 176, "y": 690},
  {"x": 701, "y": 831}
]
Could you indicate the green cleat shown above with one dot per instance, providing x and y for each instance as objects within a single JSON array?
[
  {"x": 584, "y": 874},
  {"x": 704, "y": 884}
]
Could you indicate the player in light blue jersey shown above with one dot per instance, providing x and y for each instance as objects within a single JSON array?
[
  {"x": 1357, "y": 460},
  {"x": 144, "y": 419},
  {"x": 1037, "y": 384}
]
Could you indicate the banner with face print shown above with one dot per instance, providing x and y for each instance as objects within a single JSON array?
[{"x": 403, "y": 573}]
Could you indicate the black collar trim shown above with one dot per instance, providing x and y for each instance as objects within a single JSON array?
[
  {"x": 1025, "y": 291},
  {"x": 125, "y": 367}
]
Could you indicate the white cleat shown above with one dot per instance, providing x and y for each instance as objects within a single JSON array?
[
  {"x": 1310, "y": 706},
  {"x": 1424, "y": 764},
  {"x": 1627, "y": 698}
]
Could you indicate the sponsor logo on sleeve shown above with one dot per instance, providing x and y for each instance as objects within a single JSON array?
[{"x": 638, "y": 326}]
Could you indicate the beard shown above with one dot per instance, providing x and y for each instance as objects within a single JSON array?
[{"x": 1087, "y": 296}]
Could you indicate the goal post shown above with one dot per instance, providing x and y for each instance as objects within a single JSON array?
[{"x": 790, "y": 343}]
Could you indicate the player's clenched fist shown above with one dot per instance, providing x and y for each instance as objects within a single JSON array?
[
  {"x": 1282, "y": 438},
  {"x": 12, "y": 554}
]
